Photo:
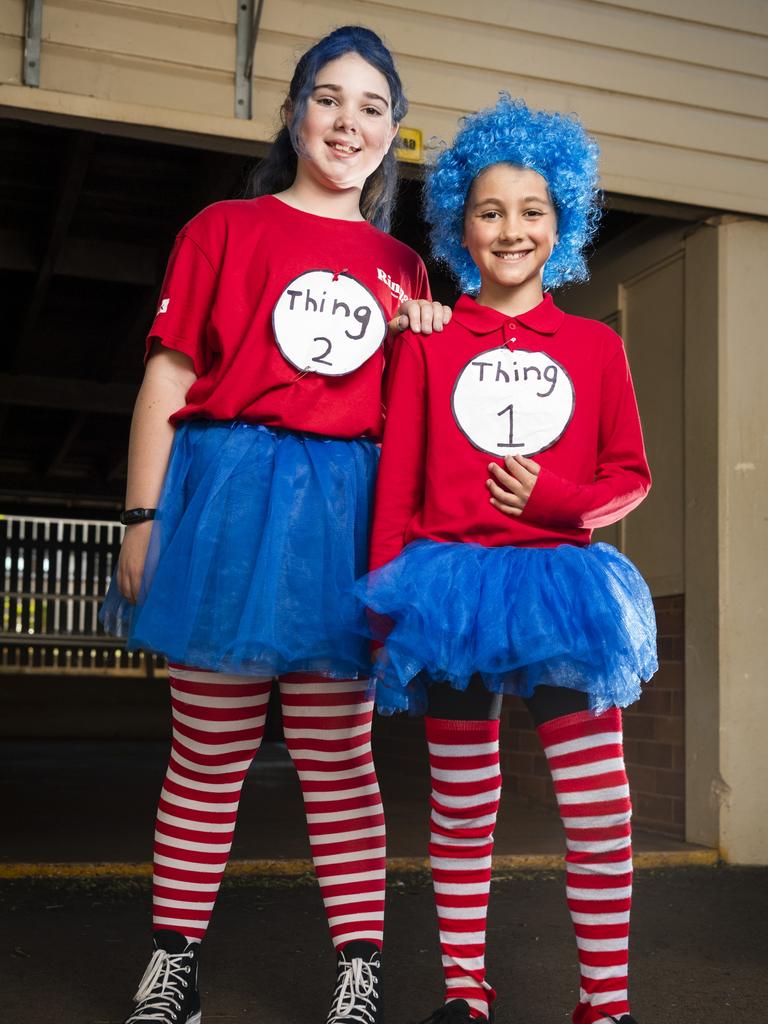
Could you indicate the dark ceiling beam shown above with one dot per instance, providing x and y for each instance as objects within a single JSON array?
[
  {"x": 118, "y": 468},
  {"x": 127, "y": 348},
  {"x": 16, "y": 252},
  {"x": 92, "y": 259},
  {"x": 115, "y": 260},
  {"x": 32, "y": 488},
  {"x": 216, "y": 178},
  {"x": 58, "y": 458},
  {"x": 77, "y": 161},
  {"x": 4, "y": 411},
  {"x": 657, "y": 207},
  {"x": 245, "y": 147},
  {"x": 219, "y": 178},
  {"x": 122, "y": 262},
  {"x": 88, "y": 396}
]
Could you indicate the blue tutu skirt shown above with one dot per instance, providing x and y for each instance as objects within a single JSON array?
[
  {"x": 259, "y": 537},
  {"x": 567, "y": 616}
]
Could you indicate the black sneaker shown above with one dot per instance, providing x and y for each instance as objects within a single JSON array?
[
  {"x": 168, "y": 993},
  {"x": 626, "y": 1019},
  {"x": 357, "y": 997},
  {"x": 457, "y": 1011}
]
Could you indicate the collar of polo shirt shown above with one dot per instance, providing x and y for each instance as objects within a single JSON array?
[{"x": 545, "y": 318}]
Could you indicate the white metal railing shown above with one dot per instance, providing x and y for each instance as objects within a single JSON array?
[{"x": 55, "y": 574}]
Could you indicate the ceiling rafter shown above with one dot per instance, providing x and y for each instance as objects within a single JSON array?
[
  {"x": 87, "y": 396},
  {"x": 78, "y": 158},
  {"x": 57, "y": 459},
  {"x": 93, "y": 259}
]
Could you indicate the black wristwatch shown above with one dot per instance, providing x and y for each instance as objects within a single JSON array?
[{"x": 131, "y": 516}]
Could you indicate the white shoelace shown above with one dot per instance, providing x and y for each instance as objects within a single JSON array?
[
  {"x": 355, "y": 994},
  {"x": 160, "y": 991}
]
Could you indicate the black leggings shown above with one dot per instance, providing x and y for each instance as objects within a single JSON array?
[{"x": 476, "y": 704}]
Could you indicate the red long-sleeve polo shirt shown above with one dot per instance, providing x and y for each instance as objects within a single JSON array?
[{"x": 545, "y": 384}]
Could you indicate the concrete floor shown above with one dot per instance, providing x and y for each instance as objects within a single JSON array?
[{"x": 94, "y": 801}]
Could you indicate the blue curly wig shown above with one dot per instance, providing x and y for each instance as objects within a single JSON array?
[{"x": 554, "y": 145}]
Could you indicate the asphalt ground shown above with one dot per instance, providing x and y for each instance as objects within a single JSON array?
[
  {"x": 72, "y": 951},
  {"x": 75, "y": 905}
]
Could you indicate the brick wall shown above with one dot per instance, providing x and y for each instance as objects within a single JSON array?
[
  {"x": 399, "y": 744},
  {"x": 654, "y": 731},
  {"x": 654, "y": 738}
]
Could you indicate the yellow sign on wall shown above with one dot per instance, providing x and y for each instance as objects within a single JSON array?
[{"x": 409, "y": 146}]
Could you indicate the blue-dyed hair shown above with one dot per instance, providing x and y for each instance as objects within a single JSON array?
[
  {"x": 554, "y": 145},
  {"x": 278, "y": 169}
]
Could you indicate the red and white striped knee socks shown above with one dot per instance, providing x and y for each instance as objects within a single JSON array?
[
  {"x": 586, "y": 757},
  {"x": 466, "y": 787},
  {"x": 327, "y": 728},
  {"x": 218, "y": 725}
]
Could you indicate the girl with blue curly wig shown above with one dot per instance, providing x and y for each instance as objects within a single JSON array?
[{"x": 474, "y": 599}]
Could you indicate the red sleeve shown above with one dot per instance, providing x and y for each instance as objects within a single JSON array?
[
  {"x": 185, "y": 301},
  {"x": 622, "y": 476},
  {"x": 400, "y": 484},
  {"x": 419, "y": 284},
  {"x": 421, "y": 288}
]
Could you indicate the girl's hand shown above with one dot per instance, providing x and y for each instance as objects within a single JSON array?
[
  {"x": 133, "y": 555},
  {"x": 511, "y": 486},
  {"x": 421, "y": 315}
]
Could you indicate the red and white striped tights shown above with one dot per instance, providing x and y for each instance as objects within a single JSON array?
[
  {"x": 466, "y": 786},
  {"x": 586, "y": 758},
  {"x": 218, "y": 725}
]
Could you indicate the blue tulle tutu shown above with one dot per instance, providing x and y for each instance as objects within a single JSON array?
[
  {"x": 259, "y": 537},
  {"x": 567, "y": 616}
]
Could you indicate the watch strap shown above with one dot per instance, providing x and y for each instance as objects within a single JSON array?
[{"x": 131, "y": 516}]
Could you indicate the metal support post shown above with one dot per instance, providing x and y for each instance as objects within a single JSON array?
[
  {"x": 248, "y": 18},
  {"x": 33, "y": 29}
]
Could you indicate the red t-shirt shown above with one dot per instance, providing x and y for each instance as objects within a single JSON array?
[
  {"x": 284, "y": 315},
  {"x": 547, "y": 385}
]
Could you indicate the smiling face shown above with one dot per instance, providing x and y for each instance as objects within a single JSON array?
[
  {"x": 510, "y": 230},
  {"x": 347, "y": 128}
]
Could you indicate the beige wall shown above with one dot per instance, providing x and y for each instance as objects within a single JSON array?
[
  {"x": 704, "y": 785},
  {"x": 692, "y": 305},
  {"x": 155, "y": 66},
  {"x": 637, "y": 287},
  {"x": 676, "y": 92},
  {"x": 743, "y": 549},
  {"x": 727, "y": 538}
]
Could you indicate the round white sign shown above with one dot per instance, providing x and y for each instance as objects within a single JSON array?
[
  {"x": 513, "y": 402},
  {"x": 327, "y": 323}
]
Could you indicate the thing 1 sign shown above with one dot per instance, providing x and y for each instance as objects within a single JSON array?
[{"x": 513, "y": 402}]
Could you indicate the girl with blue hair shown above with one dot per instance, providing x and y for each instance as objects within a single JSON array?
[
  {"x": 476, "y": 599},
  {"x": 253, "y": 449}
]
